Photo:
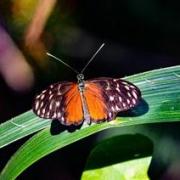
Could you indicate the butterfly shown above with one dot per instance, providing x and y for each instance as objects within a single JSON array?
[{"x": 95, "y": 100}]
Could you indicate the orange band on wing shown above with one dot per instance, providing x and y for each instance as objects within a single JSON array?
[
  {"x": 95, "y": 102},
  {"x": 74, "y": 111}
]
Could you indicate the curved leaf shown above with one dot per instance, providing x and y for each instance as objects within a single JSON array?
[{"x": 161, "y": 94}]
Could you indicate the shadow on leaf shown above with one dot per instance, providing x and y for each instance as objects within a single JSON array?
[
  {"x": 138, "y": 110},
  {"x": 119, "y": 149}
]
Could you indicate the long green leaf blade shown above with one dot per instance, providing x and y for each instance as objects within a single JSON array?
[
  {"x": 160, "y": 90},
  {"x": 20, "y": 126}
]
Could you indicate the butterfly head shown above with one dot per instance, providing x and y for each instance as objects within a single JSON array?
[{"x": 80, "y": 78}]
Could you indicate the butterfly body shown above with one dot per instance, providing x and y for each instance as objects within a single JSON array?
[{"x": 94, "y": 100}]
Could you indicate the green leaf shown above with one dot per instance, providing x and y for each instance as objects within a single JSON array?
[
  {"x": 119, "y": 157},
  {"x": 21, "y": 126},
  {"x": 161, "y": 94},
  {"x": 134, "y": 169}
]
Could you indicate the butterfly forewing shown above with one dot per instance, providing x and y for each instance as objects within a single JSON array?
[
  {"x": 52, "y": 103},
  {"x": 118, "y": 95}
]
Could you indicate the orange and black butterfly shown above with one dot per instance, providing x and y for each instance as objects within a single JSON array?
[{"x": 94, "y": 100}]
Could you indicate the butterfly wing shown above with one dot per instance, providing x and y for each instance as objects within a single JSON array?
[
  {"x": 60, "y": 101},
  {"x": 95, "y": 101},
  {"x": 112, "y": 96}
]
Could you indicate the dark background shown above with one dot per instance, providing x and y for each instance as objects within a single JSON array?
[{"x": 139, "y": 36}]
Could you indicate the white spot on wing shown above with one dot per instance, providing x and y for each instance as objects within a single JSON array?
[
  {"x": 134, "y": 101},
  {"x": 43, "y": 111},
  {"x": 118, "y": 89},
  {"x": 129, "y": 94},
  {"x": 127, "y": 88},
  {"x": 47, "y": 114},
  {"x": 117, "y": 108},
  {"x": 128, "y": 101},
  {"x": 59, "y": 87},
  {"x": 41, "y": 105},
  {"x": 42, "y": 96},
  {"x": 131, "y": 86},
  {"x": 62, "y": 119},
  {"x": 50, "y": 106},
  {"x": 54, "y": 115},
  {"x": 59, "y": 114},
  {"x": 36, "y": 105},
  {"x": 43, "y": 91},
  {"x": 111, "y": 98},
  {"x": 112, "y": 108},
  {"x": 124, "y": 104},
  {"x": 108, "y": 86},
  {"x": 134, "y": 94},
  {"x": 37, "y": 97},
  {"x": 125, "y": 83},
  {"x": 120, "y": 98},
  {"x": 59, "y": 93},
  {"x": 38, "y": 112},
  {"x": 57, "y": 104},
  {"x": 50, "y": 97}
]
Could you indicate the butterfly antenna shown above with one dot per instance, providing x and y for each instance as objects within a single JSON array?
[
  {"x": 63, "y": 62},
  {"x": 94, "y": 55}
]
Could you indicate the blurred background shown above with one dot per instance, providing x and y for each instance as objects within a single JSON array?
[{"x": 139, "y": 36}]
